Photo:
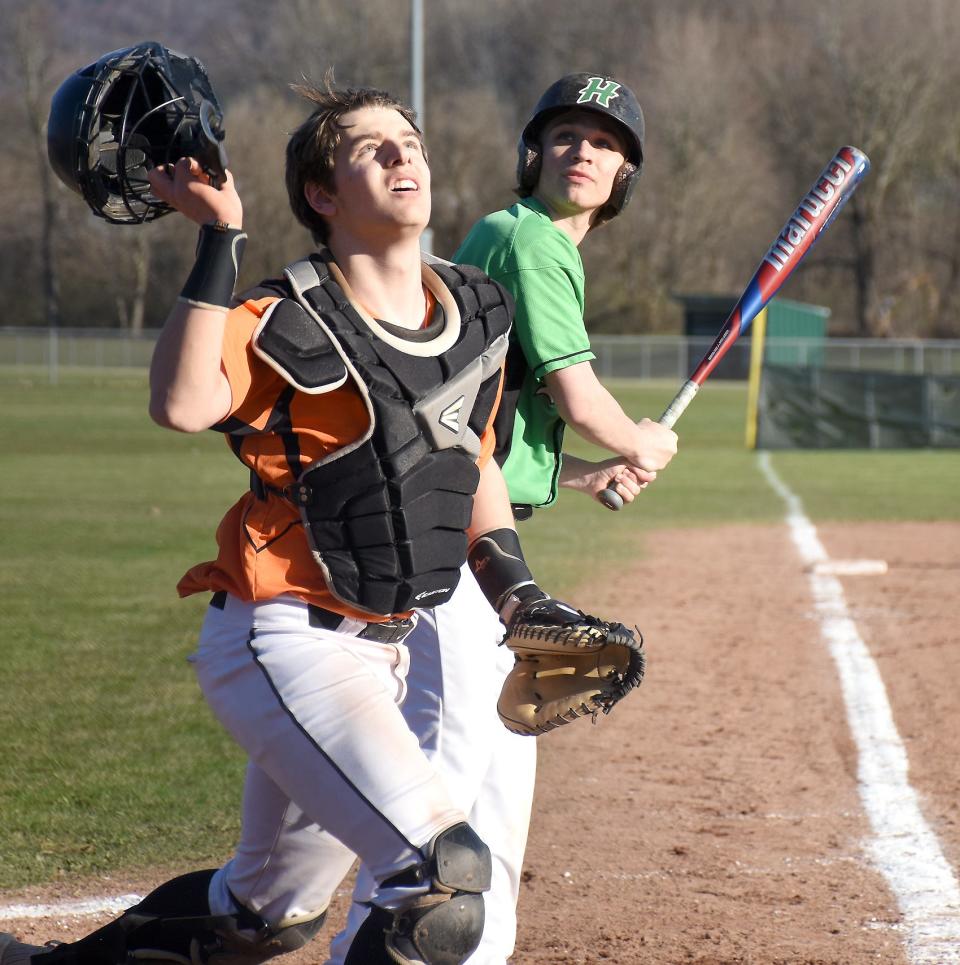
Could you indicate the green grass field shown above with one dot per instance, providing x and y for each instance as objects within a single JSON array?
[{"x": 111, "y": 761}]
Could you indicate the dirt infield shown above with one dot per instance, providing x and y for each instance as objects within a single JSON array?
[
  {"x": 719, "y": 812},
  {"x": 715, "y": 817}
]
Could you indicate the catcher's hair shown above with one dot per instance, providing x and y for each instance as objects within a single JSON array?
[{"x": 310, "y": 150}]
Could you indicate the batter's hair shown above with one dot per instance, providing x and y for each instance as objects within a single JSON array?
[{"x": 310, "y": 150}]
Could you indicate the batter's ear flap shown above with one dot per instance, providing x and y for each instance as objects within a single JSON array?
[
  {"x": 319, "y": 199},
  {"x": 528, "y": 167}
]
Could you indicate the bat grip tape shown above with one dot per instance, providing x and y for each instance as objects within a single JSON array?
[{"x": 679, "y": 404}]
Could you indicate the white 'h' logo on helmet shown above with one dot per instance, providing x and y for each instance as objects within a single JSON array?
[{"x": 603, "y": 90}]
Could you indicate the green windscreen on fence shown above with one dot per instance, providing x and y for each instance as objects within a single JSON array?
[
  {"x": 815, "y": 408},
  {"x": 795, "y": 333}
]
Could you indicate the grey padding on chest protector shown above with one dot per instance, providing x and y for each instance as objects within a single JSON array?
[
  {"x": 291, "y": 342},
  {"x": 443, "y": 414},
  {"x": 303, "y": 275}
]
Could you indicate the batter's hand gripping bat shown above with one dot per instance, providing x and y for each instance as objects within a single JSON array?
[{"x": 815, "y": 212}]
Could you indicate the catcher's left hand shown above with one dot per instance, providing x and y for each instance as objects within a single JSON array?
[{"x": 569, "y": 665}]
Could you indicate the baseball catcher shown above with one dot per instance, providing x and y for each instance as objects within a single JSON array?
[{"x": 568, "y": 664}]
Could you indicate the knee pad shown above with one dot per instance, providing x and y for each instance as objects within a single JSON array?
[
  {"x": 443, "y": 926},
  {"x": 173, "y": 924}
]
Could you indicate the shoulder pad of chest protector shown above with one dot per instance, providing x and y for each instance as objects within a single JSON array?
[{"x": 290, "y": 341}]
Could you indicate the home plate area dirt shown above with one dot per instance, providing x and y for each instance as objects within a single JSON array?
[{"x": 714, "y": 817}]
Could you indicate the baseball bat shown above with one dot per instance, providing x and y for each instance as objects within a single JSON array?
[{"x": 812, "y": 216}]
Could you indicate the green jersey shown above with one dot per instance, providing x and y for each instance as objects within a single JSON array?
[{"x": 541, "y": 267}]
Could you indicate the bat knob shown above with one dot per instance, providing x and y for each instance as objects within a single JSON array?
[{"x": 611, "y": 499}]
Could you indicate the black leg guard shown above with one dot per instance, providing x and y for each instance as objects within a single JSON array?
[
  {"x": 175, "y": 922},
  {"x": 441, "y": 927}
]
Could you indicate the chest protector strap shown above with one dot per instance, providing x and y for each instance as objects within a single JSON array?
[{"x": 386, "y": 515}]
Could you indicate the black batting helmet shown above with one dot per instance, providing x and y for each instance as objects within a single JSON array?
[
  {"x": 133, "y": 109},
  {"x": 592, "y": 92}
]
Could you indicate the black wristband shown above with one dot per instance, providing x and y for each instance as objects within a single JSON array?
[
  {"x": 214, "y": 275},
  {"x": 501, "y": 571}
]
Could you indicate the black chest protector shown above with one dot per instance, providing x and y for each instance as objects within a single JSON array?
[{"x": 386, "y": 515}]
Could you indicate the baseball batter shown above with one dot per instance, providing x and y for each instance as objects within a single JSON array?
[
  {"x": 580, "y": 156},
  {"x": 359, "y": 390}
]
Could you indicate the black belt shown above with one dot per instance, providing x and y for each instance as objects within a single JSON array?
[
  {"x": 389, "y": 631},
  {"x": 521, "y": 511}
]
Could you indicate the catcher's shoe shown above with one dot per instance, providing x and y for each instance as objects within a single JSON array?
[{"x": 13, "y": 952}]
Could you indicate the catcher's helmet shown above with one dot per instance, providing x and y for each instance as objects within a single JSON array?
[
  {"x": 593, "y": 92},
  {"x": 133, "y": 109}
]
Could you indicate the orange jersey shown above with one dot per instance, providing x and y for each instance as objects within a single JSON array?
[{"x": 263, "y": 547}]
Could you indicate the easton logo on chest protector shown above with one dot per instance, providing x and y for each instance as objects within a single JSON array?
[
  {"x": 603, "y": 91},
  {"x": 450, "y": 417}
]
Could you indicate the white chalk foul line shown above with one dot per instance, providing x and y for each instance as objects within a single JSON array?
[
  {"x": 81, "y": 907},
  {"x": 903, "y": 847}
]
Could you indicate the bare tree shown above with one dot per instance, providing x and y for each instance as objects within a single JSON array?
[
  {"x": 745, "y": 100},
  {"x": 131, "y": 309},
  {"x": 869, "y": 72},
  {"x": 29, "y": 48}
]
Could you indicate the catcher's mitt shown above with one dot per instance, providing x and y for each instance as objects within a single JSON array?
[{"x": 569, "y": 665}]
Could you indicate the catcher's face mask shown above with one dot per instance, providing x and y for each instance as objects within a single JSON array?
[{"x": 131, "y": 110}]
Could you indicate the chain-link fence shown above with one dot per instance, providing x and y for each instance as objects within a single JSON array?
[
  {"x": 618, "y": 356},
  {"x": 675, "y": 357},
  {"x": 82, "y": 348}
]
